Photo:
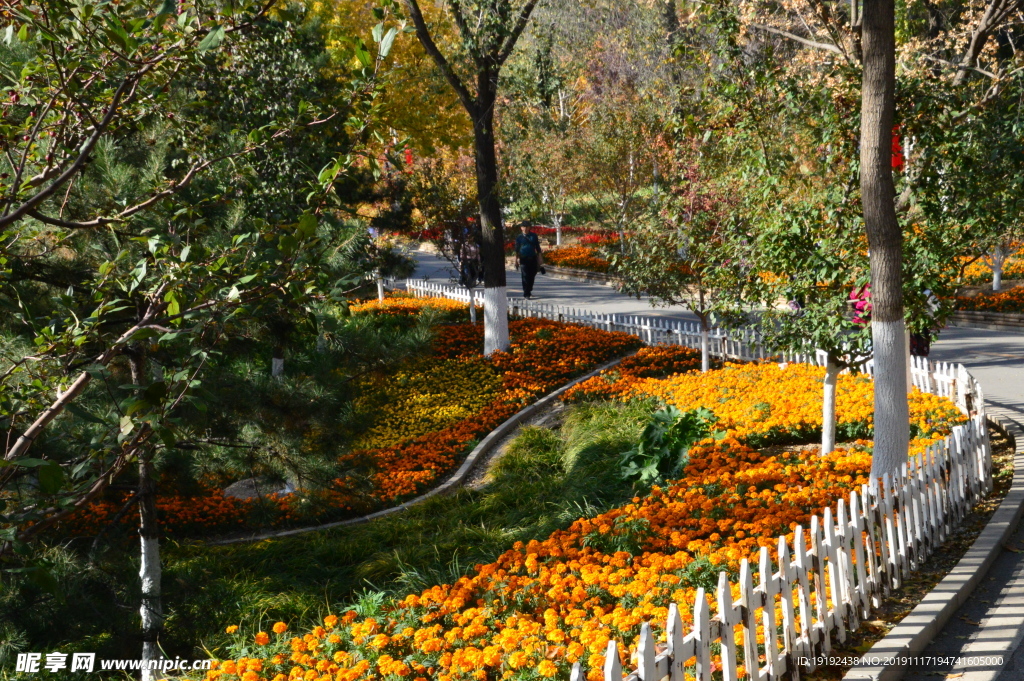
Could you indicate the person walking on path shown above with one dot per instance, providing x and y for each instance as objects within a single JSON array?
[
  {"x": 469, "y": 260},
  {"x": 529, "y": 258}
]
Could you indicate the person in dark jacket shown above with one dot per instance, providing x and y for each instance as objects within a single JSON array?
[{"x": 529, "y": 258}]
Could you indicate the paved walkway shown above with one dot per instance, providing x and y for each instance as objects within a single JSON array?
[
  {"x": 993, "y": 617},
  {"x": 603, "y": 299}
]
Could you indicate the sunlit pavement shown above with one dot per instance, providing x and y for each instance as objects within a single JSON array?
[{"x": 546, "y": 289}]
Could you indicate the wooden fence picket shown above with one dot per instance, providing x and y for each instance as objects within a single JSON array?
[
  {"x": 801, "y": 566},
  {"x": 856, "y": 530},
  {"x": 727, "y": 618},
  {"x": 825, "y": 620}
]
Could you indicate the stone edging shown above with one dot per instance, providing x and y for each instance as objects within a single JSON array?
[
  {"x": 449, "y": 485},
  {"x": 571, "y": 274},
  {"x": 979, "y": 319},
  {"x": 913, "y": 634}
]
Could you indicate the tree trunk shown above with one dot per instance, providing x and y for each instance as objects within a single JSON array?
[
  {"x": 828, "y": 408},
  {"x": 998, "y": 259},
  {"x": 151, "y": 608},
  {"x": 472, "y": 305},
  {"x": 705, "y": 344},
  {"x": 380, "y": 290},
  {"x": 878, "y": 194},
  {"x": 492, "y": 250}
]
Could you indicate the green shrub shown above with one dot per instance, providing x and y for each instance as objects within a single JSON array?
[{"x": 664, "y": 446}]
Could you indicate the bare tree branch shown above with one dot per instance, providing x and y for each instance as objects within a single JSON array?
[
  {"x": 828, "y": 47},
  {"x": 428, "y": 44},
  {"x": 517, "y": 30},
  {"x": 962, "y": 67},
  {"x": 73, "y": 169},
  {"x": 995, "y": 13}
]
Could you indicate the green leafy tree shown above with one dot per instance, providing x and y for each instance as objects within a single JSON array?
[
  {"x": 688, "y": 250},
  {"x": 488, "y": 32},
  {"x": 125, "y": 237}
]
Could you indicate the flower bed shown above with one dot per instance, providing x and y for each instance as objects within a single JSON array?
[
  {"x": 649, "y": 362},
  {"x": 409, "y": 305},
  {"x": 979, "y": 273},
  {"x": 761, "y": 404},
  {"x": 544, "y": 355},
  {"x": 577, "y": 257},
  {"x": 419, "y": 421},
  {"x": 542, "y": 606},
  {"x": 1010, "y": 300}
]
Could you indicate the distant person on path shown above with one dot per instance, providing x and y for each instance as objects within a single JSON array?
[
  {"x": 921, "y": 343},
  {"x": 469, "y": 257},
  {"x": 528, "y": 258}
]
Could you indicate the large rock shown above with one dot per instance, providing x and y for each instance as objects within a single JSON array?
[{"x": 256, "y": 487}]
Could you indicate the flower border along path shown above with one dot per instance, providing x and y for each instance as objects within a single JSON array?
[
  {"x": 841, "y": 568},
  {"x": 541, "y": 607},
  {"x": 452, "y": 483}
]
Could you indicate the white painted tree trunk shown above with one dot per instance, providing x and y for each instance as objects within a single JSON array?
[
  {"x": 380, "y": 290},
  {"x": 277, "y": 367},
  {"x": 151, "y": 610},
  {"x": 495, "y": 319},
  {"x": 151, "y": 606},
  {"x": 892, "y": 414},
  {"x": 705, "y": 349},
  {"x": 910, "y": 372},
  {"x": 472, "y": 305},
  {"x": 558, "y": 229},
  {"x": 828, "y": 408},
  {"x": 998, "y": 259}
]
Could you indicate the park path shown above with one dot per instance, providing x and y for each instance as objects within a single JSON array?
[{"x": 992, "y": 618}]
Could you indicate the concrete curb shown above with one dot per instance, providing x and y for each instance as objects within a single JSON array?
[
  {"x": 586, "y": 276},
  {"x": 993, "y": 321},
  {"x": 911, "y": 636},
  {"x": 449, "y": 485}
]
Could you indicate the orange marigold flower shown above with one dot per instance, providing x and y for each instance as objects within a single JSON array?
[{"x": 547, "y": 668}]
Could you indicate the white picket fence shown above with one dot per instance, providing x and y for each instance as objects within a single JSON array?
[
  {"x": 939, "y": 378},
  {"x": 829, "y": 577}
]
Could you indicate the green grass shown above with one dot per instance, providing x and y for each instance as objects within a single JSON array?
[{"x": 546, "y": 480}]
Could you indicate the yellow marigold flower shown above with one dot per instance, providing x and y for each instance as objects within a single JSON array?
[
  {"x": 280, "y": 628},
  {"x": 232, "y": 629},
  {"x": 262, "y": 639}
]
